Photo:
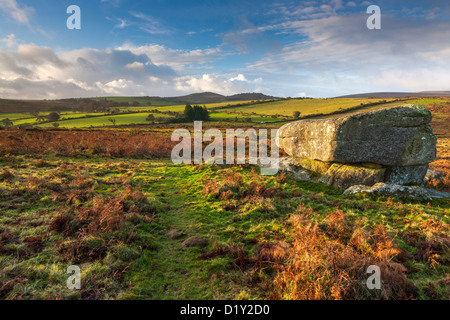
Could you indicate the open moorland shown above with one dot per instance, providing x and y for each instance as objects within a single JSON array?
[
  {"x": 113, "y": 113},
  {"x": 99, "y": 190}
]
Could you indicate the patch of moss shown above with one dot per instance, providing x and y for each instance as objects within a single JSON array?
[{"x": 317, "y": 166}]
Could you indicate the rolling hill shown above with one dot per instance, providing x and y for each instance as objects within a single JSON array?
[
  {"x": 21, "y": 106},
  {"x": 211, "y": 97},
  {"x": 419, "y": 94}
]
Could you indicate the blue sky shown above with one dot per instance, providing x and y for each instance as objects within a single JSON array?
[{"x": 318, "y": 48}]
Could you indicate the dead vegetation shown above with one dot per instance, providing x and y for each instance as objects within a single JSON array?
[
  {"x": 441, "y": 128},
  {"x": 75, "y": 143},
  {"x": 82, "y": 226},
  {"x": 329, "y": 261},
  {"x": 231, "y": 185}
]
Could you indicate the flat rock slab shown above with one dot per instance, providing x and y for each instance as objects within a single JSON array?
[
  {"x": 343, "y": 176},
  {"x": 397, "y": 136},
  {"x": 438, "y": 194},
  {"x": 392, "y": 190}
]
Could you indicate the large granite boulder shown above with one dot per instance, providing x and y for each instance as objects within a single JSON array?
[{"x": 396, "y": 137}]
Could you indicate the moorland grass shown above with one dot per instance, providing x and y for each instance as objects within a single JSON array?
[
  {"x": 112, "y": 217},
  {"x": 106, "y": 200}
]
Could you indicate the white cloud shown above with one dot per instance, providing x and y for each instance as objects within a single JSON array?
[
  {"x": 239, "y": 77},
  {"x": 135, "y": 66},
  {"x": 150, "y": 24},
  {"x": 80, "y": 84},
  {"x": 205, "y": 82},
  {"x": 349, "y": 57},
  {"x": 11, "y": 8},
  {"x": 174, "y": 58},
  {"x": 37, "y": 72},
  {"x": 417, "y": 79},
  {"x": 308, "y": 9},
  {"x": 32, "y": 54},
  {"x": 34, "y": 72},
  {"x": 242, "y": 78},
  {"x": 10, "y": 40},
  {"x": 115, "y": 87},
  {"x": 119, "y": 23},
  {"x": 122, "y": 24},
  {"x": 218, "y": 83}
]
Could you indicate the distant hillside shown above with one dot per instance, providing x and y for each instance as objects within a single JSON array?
[
  {"x": 249, "y": 97},
  {"x": 420, "y": 94},
  {"x": 211, "y": 97},
  {"x": 20, "y": 106},
  {"x": 197, "y": 98}
]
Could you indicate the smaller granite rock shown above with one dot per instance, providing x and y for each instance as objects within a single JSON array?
[
  {"x": 406, "y": 175},
  {"x": 433, "y": 174},
  {"x": 195, "y": 242},
  {"x": 343, "y": 176},
  {"x": 290, "y": 166},
  {"x": 392, "y": 190},
  {"x": 175, "y": 234}
]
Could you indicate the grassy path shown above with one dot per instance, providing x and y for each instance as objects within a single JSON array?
[{"x": 174, "y": 271}]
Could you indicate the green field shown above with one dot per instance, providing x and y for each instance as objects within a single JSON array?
[
  {"x": 143, "y": 101},
  {"x": 64, "y": 116},
  {"x": 121, "y": 119},
  {"x": 227, "y": 116},
  {"x": 14, "y": 116},
  {"x": 180, "y": 107},
  {"x": 272, "y": 111},
  {"x": 305, "y": 106}
]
